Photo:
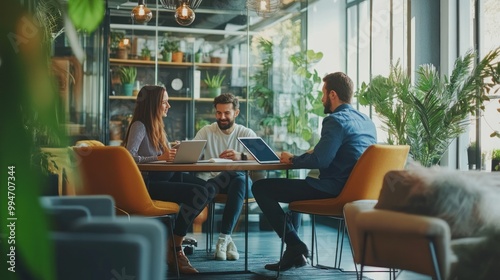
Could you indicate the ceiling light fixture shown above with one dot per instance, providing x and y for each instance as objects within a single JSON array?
[
  {"x": 184, "y": 15},
  {"x": 141, "y": 13},
  {"x": 264, "y": 8},
  {"x": 184, "y": 10}
]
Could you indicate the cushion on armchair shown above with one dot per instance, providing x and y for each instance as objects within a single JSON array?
[{"x": 466, "y": 200}]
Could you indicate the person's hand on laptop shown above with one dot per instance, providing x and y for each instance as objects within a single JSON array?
[
  {"x": 286, "y": 157},
  {"x": 175, "y": 144},
  {"x": 168, "y": 156}
]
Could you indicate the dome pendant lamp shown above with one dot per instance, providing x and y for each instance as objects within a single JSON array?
[
  {"x": 184, "y": 10},
  {"x": 141, "y": 13}
]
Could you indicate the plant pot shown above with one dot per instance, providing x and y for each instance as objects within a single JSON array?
[
  {"x": 128, "y": 89},
  {"x": 115, "y": 130},
  {"x": 214, "y": 59},
  {"x": 177, "y": 56},
  {"x": 167, "y": 56},
  {"x": 122, "y": 54},
  {"x": 495, "y": 165},
  {"x": 214, "y": 92},
  {"x": 471, "y": 157}
]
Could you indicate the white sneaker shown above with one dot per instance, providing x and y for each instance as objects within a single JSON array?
[
  {"x": 220, "y": 249},
  {"x": 232, "y": 251}
]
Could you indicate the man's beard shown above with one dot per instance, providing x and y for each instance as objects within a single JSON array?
[
  {"x": 227, "y": 126},
  {"x": 327, "y": 105}
]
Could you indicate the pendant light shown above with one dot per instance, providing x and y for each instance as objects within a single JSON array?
[
  {"x": 184, "y": 10},
  {"x": 141, "y": 13},
  {"x": 264, "y": 8},
  {"x": 184, "y": 15}
]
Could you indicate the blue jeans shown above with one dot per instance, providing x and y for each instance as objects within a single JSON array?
[{"x": 233, "y": 184}]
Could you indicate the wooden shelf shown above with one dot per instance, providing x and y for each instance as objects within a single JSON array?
[
  {"x": 171, "y": 64},
  {"x": 211, "y": 99},
  {"x": 123, "y": 97}
]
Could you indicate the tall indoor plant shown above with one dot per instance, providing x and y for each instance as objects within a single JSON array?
[
  {"x": 261, "y": 91},
  {"x": 306, "y": 105},
  {"x": 431, "y": 112}
]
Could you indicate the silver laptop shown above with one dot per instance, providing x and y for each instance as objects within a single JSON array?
[
  {"x": 189, "y": 151},
  {"x": 259, "y": 149}
]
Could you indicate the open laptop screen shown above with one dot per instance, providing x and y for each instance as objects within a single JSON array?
[{"x": 259, "y": 149}]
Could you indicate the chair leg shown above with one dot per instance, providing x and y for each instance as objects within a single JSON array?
[
  {"x": 210, "y": 227},
  {"x": 169, "y": 223},
  {"x": 435, "y": 264},
  {"x": 363, "y": 254},
  {"x": 338, "y": 250},
  {"x": 314, "y": 240}
]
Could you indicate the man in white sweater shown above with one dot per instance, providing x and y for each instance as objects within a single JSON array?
[{"x": 222, "y": 142}]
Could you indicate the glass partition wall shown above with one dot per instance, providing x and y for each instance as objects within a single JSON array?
[
  {"x": 274, "y": 64},
  {"x": 259, "y": 59}
]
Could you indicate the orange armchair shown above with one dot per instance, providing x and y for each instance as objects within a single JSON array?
[
  {"x": 112, "y": 171},
  {"x": 365, "y": 182}
]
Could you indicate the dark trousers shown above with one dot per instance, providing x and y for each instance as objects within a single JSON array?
[
  {"x": 189, "y": 193},
  {"x": 270, "y": 192}
]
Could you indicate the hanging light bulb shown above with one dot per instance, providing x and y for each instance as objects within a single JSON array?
[
  {"x": 264, "y": 8},
  {"x": 141, "y": 13},
  {"x": 184, "y": 15}
]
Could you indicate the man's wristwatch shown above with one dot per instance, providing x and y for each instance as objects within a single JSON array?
[{"x": 244, "y": 156}]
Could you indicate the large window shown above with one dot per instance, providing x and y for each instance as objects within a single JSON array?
[
  {"x": 376, "y": 38},
  {"x": 489, "y": 121}
]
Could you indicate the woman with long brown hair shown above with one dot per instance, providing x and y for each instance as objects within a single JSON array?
[{"x": 146, "y": 140}]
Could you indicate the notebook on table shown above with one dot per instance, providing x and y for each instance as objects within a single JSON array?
[
  {"x": 189, "y": 151},
  {"x": 259, "y": 149}
]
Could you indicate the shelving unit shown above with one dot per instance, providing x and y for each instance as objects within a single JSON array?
[{"x": 191, "y": 107}]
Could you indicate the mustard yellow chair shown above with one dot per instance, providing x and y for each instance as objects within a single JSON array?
[
  {"x": 89, "y": 143},
  {"x": 111, "y": 170},
  {"x": 365, "y": 182}
]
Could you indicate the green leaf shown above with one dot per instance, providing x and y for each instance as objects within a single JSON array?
[{"x": 86, "y": 14}]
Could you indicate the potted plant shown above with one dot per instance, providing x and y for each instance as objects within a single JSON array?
[
  {"x": 128, "y": 75},
  {"x": 495, "y": 160},
  {"x": 114, "y": 42},
  {"x": 169, "y": 48},
  {"x": 214, "y": 84},
  {"x": 146, "y": 53},
  {"x": 430, "y": 113},
  {"x": 472, "y": 151},
  {"x": 123, "y": 48}
]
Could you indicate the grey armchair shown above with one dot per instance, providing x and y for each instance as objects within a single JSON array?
[
  {"x": 91, "y": 243},
  {"x": 397, "y": 240}
]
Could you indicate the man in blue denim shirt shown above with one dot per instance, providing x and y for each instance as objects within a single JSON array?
[{"x": 345, "y": 135}]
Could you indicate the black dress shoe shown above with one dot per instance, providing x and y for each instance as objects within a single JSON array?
[
  {"x": 294, "y": 256},
  {"x": 298, "y": 261}
]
